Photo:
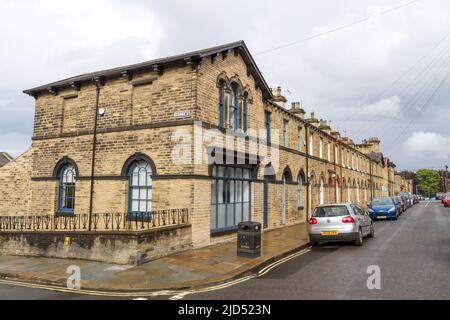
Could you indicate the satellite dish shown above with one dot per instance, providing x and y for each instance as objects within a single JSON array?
[{"x": 101, "y": 112}]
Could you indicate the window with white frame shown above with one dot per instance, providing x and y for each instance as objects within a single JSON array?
[
  {"x": 329, "y": 151},
  {"x": 140, "y": 187},
  {"x": 66, "y": 201},
  {"x": 321, "y": 148}
]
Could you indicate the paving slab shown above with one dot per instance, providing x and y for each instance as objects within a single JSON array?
[{"x": 186, "y": 270}]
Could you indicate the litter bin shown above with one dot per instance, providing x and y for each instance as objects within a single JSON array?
[{"x": 249, "y": 239}]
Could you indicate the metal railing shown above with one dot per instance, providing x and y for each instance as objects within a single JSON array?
[{"x": 100, "y": 221}]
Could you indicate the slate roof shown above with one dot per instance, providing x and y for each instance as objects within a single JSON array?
[
  {"x": 5, "y": 158},
  {"x": 148, "y": 65}
]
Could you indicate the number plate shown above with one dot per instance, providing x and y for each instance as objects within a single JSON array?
[
  {"x": 329, "y": 233},
  {"x": 381, "y": 217}
]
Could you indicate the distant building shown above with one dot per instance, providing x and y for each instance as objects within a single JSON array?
[{"x": 5, "y": 158}]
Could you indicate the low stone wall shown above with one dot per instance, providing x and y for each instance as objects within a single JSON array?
[{"x": 131, "y": 248}]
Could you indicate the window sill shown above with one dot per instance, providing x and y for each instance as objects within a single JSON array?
[{"x": 64, "y": 214}]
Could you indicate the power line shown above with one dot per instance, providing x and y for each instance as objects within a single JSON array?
[
  {"x": 431, "y": 77},
  {"x": 338, "y": 28},
  {"x": 422, "y": 108},
  {"x": 391, "y": 85},
  {"x": 425, "y": 73}
]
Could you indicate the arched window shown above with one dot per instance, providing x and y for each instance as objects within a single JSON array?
[
  {"x": 67, "y": 178},
  {"x": 140, "y": 187},
  {"x": 300, "y": 191},
  {"x": 221, "y": 103},
  {"x": 234, "y": 107},
  {"x": 245, "y": 124}
]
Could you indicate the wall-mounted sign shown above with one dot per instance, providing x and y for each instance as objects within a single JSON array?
[
  {"x": 182, "y": 114},
  {"x": 384, "y": 189}
]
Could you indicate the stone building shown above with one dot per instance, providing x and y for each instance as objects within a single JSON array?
[{"x": 200, "y": 132}]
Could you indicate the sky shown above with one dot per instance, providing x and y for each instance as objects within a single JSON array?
[{"x": 372, "y": 68}]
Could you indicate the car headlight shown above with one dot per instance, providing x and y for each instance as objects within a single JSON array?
[
  {"x": 392, "y": 209},
  {"x": 371, "y": 211}
]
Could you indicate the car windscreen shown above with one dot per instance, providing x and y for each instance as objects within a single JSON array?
[
  {"x": 331, "y": 211},
  {"x": 382, "y": 202}
]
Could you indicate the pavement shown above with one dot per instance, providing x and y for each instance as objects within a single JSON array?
[{"x": 187, "y": 270}]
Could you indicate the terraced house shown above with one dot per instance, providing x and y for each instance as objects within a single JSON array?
[{"x": 123, "y": 166}]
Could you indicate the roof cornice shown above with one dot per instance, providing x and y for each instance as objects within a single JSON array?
[{"x": 190, "y": 58}]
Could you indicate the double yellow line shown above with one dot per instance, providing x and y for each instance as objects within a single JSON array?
[{"x": 175, "y": 294}]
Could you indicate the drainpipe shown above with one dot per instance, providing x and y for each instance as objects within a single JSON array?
[
  {"x": 97, "y": 82},
  {"x": 308, "y": 205},
  {"x": 371, "y": 179}
]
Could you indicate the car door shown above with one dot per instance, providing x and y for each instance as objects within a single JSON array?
[{"x": 363, "y": 218}]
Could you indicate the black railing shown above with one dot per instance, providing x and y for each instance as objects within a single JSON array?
[{"x": 100, "y": 221}]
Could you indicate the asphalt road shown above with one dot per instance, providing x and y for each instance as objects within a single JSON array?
[{"x": 413, "y": 255}]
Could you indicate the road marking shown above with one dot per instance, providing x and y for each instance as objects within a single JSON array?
[
  {"x": 427, "y": 204},
  {"x": 175, "y": 294}
]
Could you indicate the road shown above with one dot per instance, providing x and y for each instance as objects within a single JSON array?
[{"x": 413, "y": 255}]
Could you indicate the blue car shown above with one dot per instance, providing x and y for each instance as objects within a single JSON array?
[{"x": 383, "y": 209}]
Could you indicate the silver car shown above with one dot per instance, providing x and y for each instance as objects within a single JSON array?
[{"x": 340, "y": 222}]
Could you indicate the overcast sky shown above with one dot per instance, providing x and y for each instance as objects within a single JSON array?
[{"x": 374, "y": 78}]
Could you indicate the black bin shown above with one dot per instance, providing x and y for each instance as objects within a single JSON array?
[{"x": 249, "y": 239}]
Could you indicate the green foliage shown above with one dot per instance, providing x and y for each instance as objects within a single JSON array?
[{"x": 429, "y": 181}]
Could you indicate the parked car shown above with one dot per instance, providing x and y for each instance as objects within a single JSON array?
[
  {"x": 340, "y": 222},
  {"x": 405, "y": 201},
  {"x": 409, "y": 198},
  {"x": 399, "y": 204},
  {"x": 439, "y": 196},
  {"x": 383, "y": 208},
  {"x": 446, "y": 200}
]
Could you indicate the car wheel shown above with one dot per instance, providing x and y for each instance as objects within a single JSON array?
[
  {"x": 359, "y": 238},
  {"x": 372, "y": 231}
]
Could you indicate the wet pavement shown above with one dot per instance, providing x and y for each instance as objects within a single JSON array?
[{"x": 190, "y": 269}]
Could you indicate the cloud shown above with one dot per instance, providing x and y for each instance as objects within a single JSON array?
[
  {"x": 334, "y": 75},
  {"x": 14, "y": 143},
  {"x": 384, "y": 108},
  {"x": 428, "y": 145}
]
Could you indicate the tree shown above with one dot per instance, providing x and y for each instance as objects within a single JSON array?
[{"x": 429, "y": 181}]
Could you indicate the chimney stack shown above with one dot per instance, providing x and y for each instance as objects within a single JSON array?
[
  {"x": 278, "y": 98},
  {"x": 296, "y": 108},
  {"x": 313, "y": 120},
  {"x": 323, "y": 125}
]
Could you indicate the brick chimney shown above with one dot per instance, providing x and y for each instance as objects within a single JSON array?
[
  {"x": 374, "y": 144},
  {"x": 323, "y": 125},
  {"x": 278, "y": 98},
  {"x": 296, "y": 108},
  {"x": 312, "y": 120}
]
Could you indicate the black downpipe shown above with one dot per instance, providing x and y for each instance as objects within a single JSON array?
[
  {"x": 97, "y": 84},
  {"x": 308, "y": 205},
  {"x": 371, "y": 180}
]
